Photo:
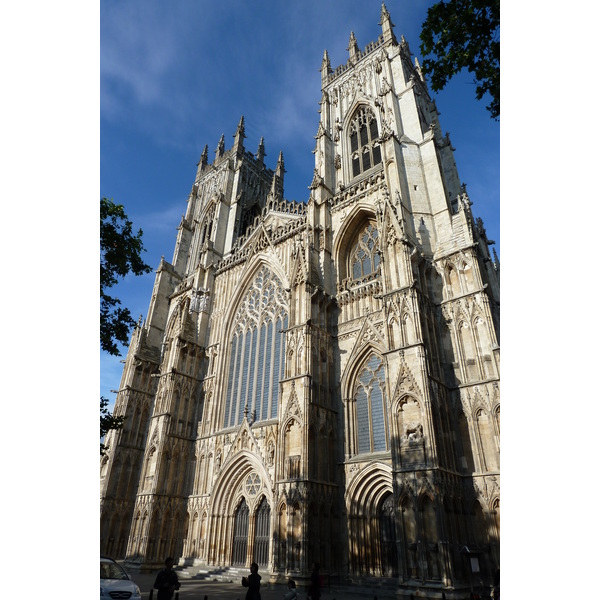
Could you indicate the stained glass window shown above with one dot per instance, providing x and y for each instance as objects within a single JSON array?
[
  {"x": 370, "y": 407},
  {"x": 256, "y": 359},
  {"x": 364, "y": 145},
  {"x": 364, "y": 258}
]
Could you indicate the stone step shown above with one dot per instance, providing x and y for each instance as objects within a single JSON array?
[{"x": 203, "y": 572}]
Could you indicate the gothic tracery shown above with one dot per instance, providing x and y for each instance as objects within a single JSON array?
[{"x": 352, "y": 418}]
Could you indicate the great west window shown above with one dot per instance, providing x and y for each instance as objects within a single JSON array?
[
  {"x": 257, "y": 351},
  {"x": 364, "y": 147}
]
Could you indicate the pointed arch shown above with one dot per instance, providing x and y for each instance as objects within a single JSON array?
[
  {"x": 362, "y": 140},
  {"x": 242, "y": 481},
  {"x": 233, "y": 473},
  {"x": 485, "y": 433},
  {"x": 452, "y": 280},
  {"x": 240, "y": 533},
  {"x": 262, "y": 532},
  {"x": 364, "y": 387},
  {"x": 409, "y": 419},
  {"x": 291, "y": 442},
  {"x": 365, "y": 498},
  {"x": 348, "y": 240},
  {"x": 255, "y": 339}
]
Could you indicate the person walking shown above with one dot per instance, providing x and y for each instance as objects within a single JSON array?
[
  {"x": 166, "y": 581},
  {"x": 252, "y": 582}
]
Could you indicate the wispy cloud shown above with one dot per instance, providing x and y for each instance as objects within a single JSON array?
[{"x": 140, "y": 51}]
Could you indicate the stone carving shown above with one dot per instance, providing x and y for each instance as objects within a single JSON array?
[{"x": 413, "y": 433}]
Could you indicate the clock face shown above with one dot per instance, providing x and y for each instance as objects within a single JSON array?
[{"x": 253, "y": 484}]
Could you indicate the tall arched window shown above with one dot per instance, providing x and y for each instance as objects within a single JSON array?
[
  {"x": 257, "y": 351},
  {"x": 364, "y": 257},
  {"x": 370, "y": 407},
  {"x": 364, "y": 147}
]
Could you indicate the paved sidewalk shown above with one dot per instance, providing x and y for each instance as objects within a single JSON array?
[{"x": 197, "y": 589}]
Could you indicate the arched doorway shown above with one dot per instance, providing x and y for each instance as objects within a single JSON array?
[
  {"x": 389, "y": 551},
  {"x": 240, "y": 534},
  {"x": 263, "y": 533}
]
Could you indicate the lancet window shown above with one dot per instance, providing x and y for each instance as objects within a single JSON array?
[
  {"x": 370, "y": 407},
  {"x": 364, "y": 258},
  {"x": 364, "y": 147},
  {"x": 257, "y": 351}
]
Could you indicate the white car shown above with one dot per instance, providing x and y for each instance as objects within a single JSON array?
[{"x": 115, "y": 584}]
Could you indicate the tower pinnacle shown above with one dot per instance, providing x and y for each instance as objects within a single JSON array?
[
  {"x": 325, "y": 68},
  {"x": 203, "y": 158},
  {"x": 386, "y": 25},
  {"x": 240, "y": 134},
  {"x": 260, "y": 154},
  {"x": 353, "y": 48},
  {"x": 220, "y": 150}
]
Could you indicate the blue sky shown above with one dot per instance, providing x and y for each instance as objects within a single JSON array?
[
  {"x": 119, "y": 98},
  {"x": 177, "y": 75}
]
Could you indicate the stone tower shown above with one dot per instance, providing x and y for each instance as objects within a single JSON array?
[{"x": 319, "y": 381}]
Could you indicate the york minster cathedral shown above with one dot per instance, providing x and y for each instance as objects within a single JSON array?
[{"x": 319, "y": 380}]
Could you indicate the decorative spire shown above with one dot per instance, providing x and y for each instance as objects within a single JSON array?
[
  {"x": 404, "y": 47},
  {"x": 280, "y": 168},
  {"x": 241, "y": 130},
  {"x": 260, "y": 154},
  {"x": 240, "y": 134},
  {"x": 221, "y": 147},
  {"x": 203, "y": 159},
  {"x": 325, "y": 69},
  {"x": 277, "y": 183},
  {"x": 353, "y": 48},
  {"x": 496, "y": 261},
  {"x": 418, "y": 69},
  {"x": 386, "y": 25}
]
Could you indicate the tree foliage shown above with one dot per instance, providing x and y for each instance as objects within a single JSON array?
[
  {"x": 464, "y": 34},
  {"x": 120, "y": 254},
  {"x": 108, "y": 421}
]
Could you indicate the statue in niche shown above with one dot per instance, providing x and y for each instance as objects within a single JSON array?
[
  {"x": 414, "y": 433},
  {"x": 271, "y": 455}
]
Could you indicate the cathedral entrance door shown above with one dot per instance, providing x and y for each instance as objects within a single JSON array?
[
  {"x": 389, "y": 553},
  {"x": 263, "y": 533},
  {"x": 240, "y": 535}
]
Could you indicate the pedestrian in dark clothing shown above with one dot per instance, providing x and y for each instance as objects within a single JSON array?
[
  {"x": 166, "y": 581},
  {"x": 314, "y": 589},
  {"x": 252, "y": 582}
]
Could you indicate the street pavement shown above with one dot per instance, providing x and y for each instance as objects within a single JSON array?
[{"x": 199, "y": 589}]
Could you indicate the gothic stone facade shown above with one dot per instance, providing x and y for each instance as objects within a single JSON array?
[{"x": 319, "y": 381}]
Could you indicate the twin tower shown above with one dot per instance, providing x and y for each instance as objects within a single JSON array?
[{"x": 319, "y": 380}]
